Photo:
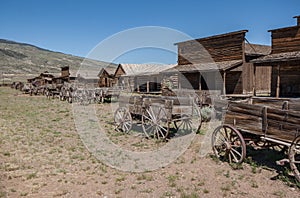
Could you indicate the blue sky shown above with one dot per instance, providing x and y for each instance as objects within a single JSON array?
[{"x": 76, "y": 27}]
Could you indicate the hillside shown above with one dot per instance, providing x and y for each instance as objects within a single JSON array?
[{"x": 21, "y": 60}]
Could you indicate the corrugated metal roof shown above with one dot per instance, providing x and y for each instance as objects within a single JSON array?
[
  {"x": 213, "y": 66},
  {"x": 279, "y": 57},
  {"x": 144, "y": 69}
]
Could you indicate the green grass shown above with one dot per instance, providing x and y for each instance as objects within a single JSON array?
[
  {"x": 191, "y": 195},
  {"x": 172, "y": 180}
]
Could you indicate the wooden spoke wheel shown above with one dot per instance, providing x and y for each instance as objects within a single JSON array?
[
  {"x": 228, "y": 144},
  {"x": 191, "y": 123},
  {"x": 155, "y": 122},
  {"x": 294, "y": 157},
  {"x": 123, "y": 120},
  {"x": 197, "y": 100},
  {"x": 61, "y": 96}
]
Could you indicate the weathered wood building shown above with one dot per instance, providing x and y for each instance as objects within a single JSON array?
[
  {"x": 284, "y": 62},
  {"x": 43, "y": 79},
  {"x": 51, "y": 78},
  {"x": 219, "y": 62},
  {"x": 140, "y": 77},
  {"x": 106, "y": 77}
]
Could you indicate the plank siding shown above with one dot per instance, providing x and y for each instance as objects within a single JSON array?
[
  {"x": 286, "y": 40},
  {"x": 217, "y": 48},
  {"x": 263, "y": 80},
  {"x": 234, "y": 84},
  {"x": 248, "y": 72}
]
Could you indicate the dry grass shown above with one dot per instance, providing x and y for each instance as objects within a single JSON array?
[{"x": 42, "y": 155}]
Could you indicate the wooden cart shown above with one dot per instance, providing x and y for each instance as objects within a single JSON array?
[
  {"x": 158, "y": 115},
  {"x": 268, "y": 120},
  {"x": 107, "y": 93}
]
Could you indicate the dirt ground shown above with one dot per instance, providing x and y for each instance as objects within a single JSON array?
[{"x": 42, "y": 155}]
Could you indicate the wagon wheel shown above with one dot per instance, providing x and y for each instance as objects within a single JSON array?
[
  {"x": 70, "y": 97},
  {"x": 198, "y": 100},
  {"x": 48, "y": 94},
  {"x": 155, "y": 122},
  {"x": 123, "y": 120},
  {"x": 186, "y": 124},
  {"x": 97, "y": 97},
  {"x": 101, "y": 96},
  {"x": 61, "y": 96},
  {"x": 228, "y": 144},
  {"x": 294, "y": 157}
]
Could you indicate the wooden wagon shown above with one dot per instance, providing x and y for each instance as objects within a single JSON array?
[
  {"x": 106, "y": 93},
  {"x": 261, "y": 120},
  {"x": 158, "y": 115}
]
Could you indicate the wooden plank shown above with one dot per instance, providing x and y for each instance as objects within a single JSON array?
[
  {"x": 253, "y": 124},
  {"x": 224, "y": 48}
]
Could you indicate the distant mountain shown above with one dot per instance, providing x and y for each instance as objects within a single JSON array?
[{"x": 25, "y": 59}]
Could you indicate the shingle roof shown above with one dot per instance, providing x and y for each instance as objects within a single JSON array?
[
  {"x": 110, "y": 70},
  {"x": 255, "y": 49},
  {"x": 213, "y": 66},
  {"x": 279, "y": 57},
  {"x": 144, "y": 69}
]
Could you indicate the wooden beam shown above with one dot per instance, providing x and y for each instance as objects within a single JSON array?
[
  {"x": 278, "y": 82},
  {"x": 254, "y": 81},
  {"x": 200, "y": 79},
  {"x": 148, "y": 88},
  {"x": 224, "y": 83},
  {"x": 179, "y": 80}
]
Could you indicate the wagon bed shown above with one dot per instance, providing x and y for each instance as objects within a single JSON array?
[
  {"x": 158, "y": 114},
  {"x": 259, "y": 119}
]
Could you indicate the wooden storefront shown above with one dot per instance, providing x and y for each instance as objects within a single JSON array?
[
  {"x": 218, "y": 62},
  {"x": 284, "y": 62}
]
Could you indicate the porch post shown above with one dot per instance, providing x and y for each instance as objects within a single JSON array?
[
  {"x": 224, "y": 83},
  {"x": 278, "y": 81}
]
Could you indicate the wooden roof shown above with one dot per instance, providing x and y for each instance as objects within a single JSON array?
[
  {"x": 144, "y": 69},
  {"x": 256, "y": 49},
  {"x": 109, "y": 70},
  {"x": 205, "y": 67},
  {"x": 279, "y": 57}
]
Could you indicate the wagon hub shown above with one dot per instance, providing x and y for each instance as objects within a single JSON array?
[{"x": 227, "y": 145}]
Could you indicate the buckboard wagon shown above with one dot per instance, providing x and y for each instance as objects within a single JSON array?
[
  {"x": 260, "y": 120},
  {"x": 158, "y": 115}
]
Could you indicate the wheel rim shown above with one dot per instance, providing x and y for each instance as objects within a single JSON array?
[
  {"x": 294, "y": 157},
  {"x": 228, "y": 144},
  {"x": 186, "y": 124},
  {"x": 123, "y": 120},
  {"x": 155, "y": 122}
]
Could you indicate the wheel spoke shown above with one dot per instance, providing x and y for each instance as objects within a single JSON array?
[
  {"x": 163, "y": 128},
  {"x": 229, "y": 158},
  {"x": 235, "y": 158},
  {"x": 150, "y": 115}
]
